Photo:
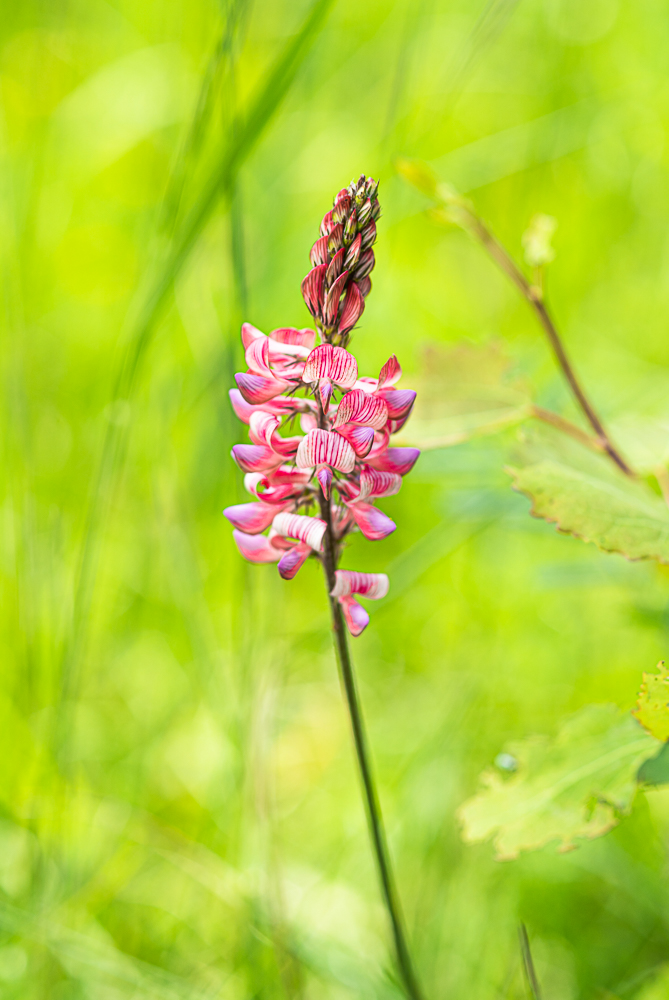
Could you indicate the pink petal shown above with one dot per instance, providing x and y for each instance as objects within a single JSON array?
[
  {"x": 373, "y": 523},
  {"x": 355, "y": 616},
  {"x": 288, "y": 475},
  {"x": 332, "y": 297},
  {"x": 286, "y": 447},
  {"x": 262, "y": 426},
  {"x": 326, "y": 224},
  {"x": 319, "y": 252},
  {"x": 358, "y": 407},
  {"x": 305, "y": 529},
  {"x": 242, "y": 409},
  {"x": 308, "y": 422},
  {"x": 324, "y": 477},
  {"x": 353, "y": 308},
  {"x": 361, "y": 438},
  {"x": 290, "y": 335},
  {"x": 367, "y": 384},
  {"x": 249, "y": 334},
  {"x": 293, "y": 560},
  {"x": 255, "y": 389},
  {"x": 251, "y": 518},
  {"x": 370, "y": 585},
  {"x": 335, "y": 363},
  {"x": 390, "y": 373},
  {"x": 255, "y": 457},
  {"x": 321, "y": 447},
  {"x": 400, "y": 460},
  {"x": 257, "y": 357},
  {"x": 258, "y": 485},
  {"x": 399, "y": 401},
  {"x": 313, "y": 289},
  {"x": 256, "y": 548},
  {"x": 381, "y": 440},
  {"x": 378, "y": 484}
]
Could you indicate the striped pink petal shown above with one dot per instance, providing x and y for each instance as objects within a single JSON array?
[
  {"x": 256, "y": 389},
  {"x": 373, "y": 523},
  {"x": 355, "y": 616},
  {"x": 286, "y": 447},
  {"x": 390, "y": 373},
  {"x": 289, "y": 335},
  {"x": 399, "y": 401},
  {"x": 333, "y": 295},
  {"x": 257, "y": 357},
  {"x": 293, "y": 560},
  {"x": 256, "y": 548},
  {"x": 359, "y": 407},
  {"x": 371, "y": 585},
  {"x": 251, "y": 518},
  {"x": 334, "y": 363},
  {"x": 378, "y": 484},
  {"x": 353, "y": 308},
  {"x": 399, "y": 460},
  {"x": 255, "y": 457},
  {"x": 258, "y": 485},
  {"x": 321, "y": 447},
  {"x": 262, "y": 426},
  {"x": 288, "y": 475},
  {"x": 249, "y": 334},
  {"x": 319, "y": 252},
  {"x": 313, "y": 289},
  {"x": 360, "y": 438},
  {"x": 309, "y": 530}
]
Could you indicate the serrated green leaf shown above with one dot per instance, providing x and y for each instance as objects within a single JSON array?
[
  {"x": 617, "y": 516},
  {"x": 652, "y": 709},
  {"x": 575, "y": 786}
]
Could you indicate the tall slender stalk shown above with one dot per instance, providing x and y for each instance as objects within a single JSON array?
[{"x": 370, "y": 794}]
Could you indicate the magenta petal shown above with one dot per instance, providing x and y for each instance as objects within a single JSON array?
[
  {"x": 373, "y": 523},
  {"x": 390, "y": 373},
  {"x": 400, "y": 460},
  {"x": 359, "y": 407},
  {"x": 256, "y": 389},
  {"x": 249, "y": 334},
  {"x": 324, "y": 477},
  {"x": 360, "y": 438},
  {"x": 255, "y": 457},
  {"x": 379, "y": 484},
  {"x": 335, "y": 363},
  {"x": 292, "y": 560},
  {"x": 251, "y": 518},
  {"x": 355, "y": 616},
  {"x": 312, "y": 290},
  {"x": 321, "y": 447},
  {"x": 256, "y": 548},
  {"x": 399, "y": 401},
  {"x": 257, "y": 357},
  {"x": 370, "y": 585},
  {"x": 242, "y": 409},
  {"x": 353, "y": 308}
]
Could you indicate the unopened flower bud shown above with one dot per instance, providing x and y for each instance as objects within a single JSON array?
[
  {"x": 342, "y": 208},
  {"x": 364, "y": 265},
  {"x": 368, "y": 234},
  {"x": 335, "y": 268},
  {"x": 319, "y": 252},
  {"x": 365, "y": 287},
  {"x": 353, "y": 252},
  {"x": 327, "y": 224},
  {"x": 364, "y": 213},
  {"x": 376, "y": 209},
  {"x": 372, "y": 188},
  {"x": 351, "y": 227},
  {"x": 336, "y": 239},
  {"x": 331, "y": 301}
]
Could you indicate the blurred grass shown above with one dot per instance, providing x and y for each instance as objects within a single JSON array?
[{"x": 200, "y": 832}]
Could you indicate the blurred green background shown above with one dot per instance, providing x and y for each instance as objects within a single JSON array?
[{"x": 180, "y": 814}]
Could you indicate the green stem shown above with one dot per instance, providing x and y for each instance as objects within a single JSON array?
[{"x": 370, "y": 794}]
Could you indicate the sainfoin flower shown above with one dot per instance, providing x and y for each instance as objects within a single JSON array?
[{"x": 313, "y": 489}]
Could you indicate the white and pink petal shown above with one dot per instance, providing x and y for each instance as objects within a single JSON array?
[
  {"x": 256, "y": 548},
  {"x": 321, "y": 447},
  {"x": 370, "y": 585},
  {"x": 309, "y": 530}
]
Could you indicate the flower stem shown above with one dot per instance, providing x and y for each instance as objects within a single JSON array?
[{"x": 370, "y": 795}]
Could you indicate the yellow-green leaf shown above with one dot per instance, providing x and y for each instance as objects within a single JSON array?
[
  {"x": 617, "y": 515},
  {"x": 652, "y": 709},
  {"x": 575, "y": 786}
]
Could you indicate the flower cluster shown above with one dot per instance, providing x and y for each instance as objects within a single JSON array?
[{"x": 341, "y": 462}]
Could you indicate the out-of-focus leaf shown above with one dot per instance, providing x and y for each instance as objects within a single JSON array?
[
  {"x": 575, "y": 786},
  {"x": 616, "y": 515},
  {"x": 656, "y": 770},
  {"x": 652, "y": 709},
  {"x": 464, "y": 391}
]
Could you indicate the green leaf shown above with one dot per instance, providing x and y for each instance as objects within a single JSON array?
[
  {"x": 652, "y": 709},
  {"x": 574, "y": 786},
  {"x": 617, "y": 515}
]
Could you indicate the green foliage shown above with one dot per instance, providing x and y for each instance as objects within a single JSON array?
[
  {"x": 617, "y": 516},
  {"x": 652, "y": 709},
  {"x": 573, "y": 787}
]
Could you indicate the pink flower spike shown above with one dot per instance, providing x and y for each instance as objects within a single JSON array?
[
  {"x": 256, "y": 389},
  {"x": 293, "y": 560},
  {"x": 256, "y": 548},
  {"x": 354, "y": 307},
  {"x": 309, "y": 530},
  {"x": 324, "y": 476},
  {"x": 359, "y": 407},
  {"x": 390, "y": 373},
  {"x": 335, "y": 363},
  {"x": 399, "y": 460},
  {"x": 255, "y": 457},
  {"x": 373, "y": 586},
  {"x": 373, "y": 523},
  {"x": 355, "y": 616},
  {"x": 249, "y": 334},
  {"x": 313, "y": 290},
  {"x": 361, "y": 438},
  {"x": 251, "y": 518},
  {"x": 321, "y": 447}
]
